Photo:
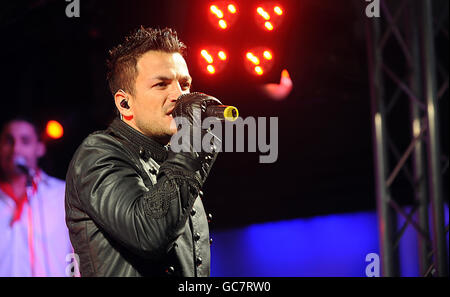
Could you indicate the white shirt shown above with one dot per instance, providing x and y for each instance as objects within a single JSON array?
[{"x": 41, "y": 230}]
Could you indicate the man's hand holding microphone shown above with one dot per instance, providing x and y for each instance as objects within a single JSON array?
[{"x": 199, "y": 147}]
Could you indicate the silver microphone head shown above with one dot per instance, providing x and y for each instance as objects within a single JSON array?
[{"x": 21, "y": 164}]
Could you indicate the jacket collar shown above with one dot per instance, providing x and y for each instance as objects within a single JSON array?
[{"x": 144, "y": 145}]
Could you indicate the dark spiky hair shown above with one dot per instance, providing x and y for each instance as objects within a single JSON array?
[{"x": 122, "y": 61}]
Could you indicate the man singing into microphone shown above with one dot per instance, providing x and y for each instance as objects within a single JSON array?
[
  {"x": 133, "y": 205},
  {"x": 34, "y": 240}
]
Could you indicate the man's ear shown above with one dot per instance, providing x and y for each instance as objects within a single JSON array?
[{"x": 123, "y": 104}]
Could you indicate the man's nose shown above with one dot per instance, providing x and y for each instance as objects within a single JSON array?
[{"x": 16, "y": 148}]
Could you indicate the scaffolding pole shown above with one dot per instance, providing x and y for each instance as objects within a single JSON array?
[
  {"x": 434, "y": 153},
  {"x": 417, "y": 123},
  {"x": 407, "y": 26},
  {"x": 386, "y": 218}
]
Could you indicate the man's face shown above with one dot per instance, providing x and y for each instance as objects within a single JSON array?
[
  {"x": 162, "y": 78},
  {"x": 19, "y": 139}
]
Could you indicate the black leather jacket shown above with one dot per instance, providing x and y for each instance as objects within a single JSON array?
[{"x": 131, "y": 214}]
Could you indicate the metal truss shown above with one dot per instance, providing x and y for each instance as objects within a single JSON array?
[{"x": 404, "y": 65}]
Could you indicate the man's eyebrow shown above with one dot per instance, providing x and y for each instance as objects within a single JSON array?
[{"x": 164, "y": 78}]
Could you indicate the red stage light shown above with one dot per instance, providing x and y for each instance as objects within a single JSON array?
[
  {"x": 211, "y": 69},
  {"x": 222, "y": 14},
  {"x": 263, "y": 13},
  {"x": 267, "y": 55},
  {"x": 223, "y": 24},
  {"x": 278, "y": 10},
  {"x": 222, "y": 55},
  {"x": 207, "y": 56},
  {"x": 252, "y": 58},
  {"x": 216, "y": 11},
  {"x": 54, "y": 129},
  {"x": 269, "y": 15},
  {"x": 212, "y": 59},
  {"x": 259, "y": 60},
  {"x": 268, "y": 26},
  {"x": 232, "y": 8},
  {"x": 259, "y": 70}
]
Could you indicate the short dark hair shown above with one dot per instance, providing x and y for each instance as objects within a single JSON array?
[
  {"x": 23, "y": 118},
  {"x": 122, "y": 61}
]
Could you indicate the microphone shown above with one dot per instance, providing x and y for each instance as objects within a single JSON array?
[
  {"x": 225, "y": 112},
  {"x": 211, "y": 107},
  {"x": 21, "y": 164}
]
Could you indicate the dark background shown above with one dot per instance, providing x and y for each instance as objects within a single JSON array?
[{"x": 53, "y": 67}]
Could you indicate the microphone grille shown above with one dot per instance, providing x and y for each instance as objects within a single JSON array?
[{"x": 20, "y": 161}]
